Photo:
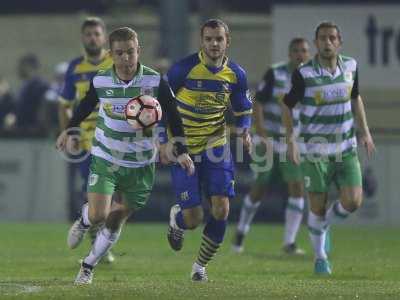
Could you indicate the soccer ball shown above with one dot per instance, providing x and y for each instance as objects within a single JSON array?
[{"x": 143, "y": 112}]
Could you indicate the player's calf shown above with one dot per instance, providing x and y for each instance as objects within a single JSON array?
[{"x": 247, "y": 213}]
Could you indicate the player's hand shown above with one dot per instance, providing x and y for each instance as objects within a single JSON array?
[
  {"x": 67, "y": 143},
  {"x": 61, "y": 143},
  {"x": 246, "y": 140},
  {"x": 367, "y": 141},
  {"x": 293, "y": 152},
  {"x": 186, "y": 163}
]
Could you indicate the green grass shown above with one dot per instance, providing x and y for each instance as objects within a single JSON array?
[{"x": 36, "y": 264}]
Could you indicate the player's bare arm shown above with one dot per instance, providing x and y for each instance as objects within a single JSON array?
[{"x": 361, "y": 119}]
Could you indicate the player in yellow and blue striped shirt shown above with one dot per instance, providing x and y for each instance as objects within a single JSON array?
[{"x": 206, "y": 84}]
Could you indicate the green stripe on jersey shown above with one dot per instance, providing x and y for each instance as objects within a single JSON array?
[
  {"x": 272, "y": 112},
  {"x": 112, "y": 128},
  {"x": 328, "y": 138},
  {"x": 123, "y": 136},
  {"x": 322, "y": 119},
  {"x": 331, "y": 93},
  {"x": 132, "y": 157}
]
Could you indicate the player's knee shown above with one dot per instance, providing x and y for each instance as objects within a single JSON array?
[
  {"x": 352, "y": 199},
  {"x": 97, "y": 218},
  {"x": 116, "y": 218},
  {"x": 318, "y": 211},
  {"x": 256, "y": 194},
  {"x": 296, "y": 189},
  {"x": 352, "y": 204},
  {"x": 220, "y": 212},
  {"x": 193, "y": 217}
]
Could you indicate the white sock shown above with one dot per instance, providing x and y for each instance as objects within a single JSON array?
[
  {"x": 336, "y": 213},
  {"x": 247, "y": 213},
  {"x": 104, "y": 241},
  {"x": 85, "y": 215},
  {"x": 317, "y": 230},
  {"x": 293, "y": 217}
]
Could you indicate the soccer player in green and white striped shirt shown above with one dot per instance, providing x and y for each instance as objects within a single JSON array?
[
  {"x": 326, "y": 92},
  {"x": 270, "y": 131},
  {"x": 123, "y": 158}
]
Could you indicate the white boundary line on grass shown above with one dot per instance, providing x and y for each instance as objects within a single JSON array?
[{"x": 17, "y": 288}]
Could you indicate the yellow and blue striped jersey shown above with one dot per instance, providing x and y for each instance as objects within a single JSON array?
[
  {"x": 203, "y": 94},
  {"x": 77, "y": 80}
]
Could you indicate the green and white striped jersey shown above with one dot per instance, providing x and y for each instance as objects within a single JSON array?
[
  {"x": 270, "y": 92},
  {"x": 327, "y": 124},
  {"x": 115, "y": 140}
]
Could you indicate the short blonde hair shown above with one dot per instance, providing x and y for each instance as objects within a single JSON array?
[{"x": 122, "y": 34}]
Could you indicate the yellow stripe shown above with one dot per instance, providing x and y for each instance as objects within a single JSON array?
[
  {"x": 188, "y": 97},
  {"x": 202, "y": 141},
  {"x": 200, "y": 71},
  {"x": 86, "y": 67},
  {"x": 195, "y": 123},
  {"x": 65, "y": 102},
  {"x": 200, "y": 116},
  {"x": 196, "y": 149},
  {"x": 206, "y": 255},
  {"x": 246, "y": 112},
  {"x": 207, "y": 250},
  {"x": 202, "y": 261},
  {"x": 203, "y": 131},
  {"x": 203, "y": 99},
  {"x": 210, "y": 242}
]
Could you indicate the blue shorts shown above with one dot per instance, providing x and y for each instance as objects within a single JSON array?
[{"x": 213, "y": 174}]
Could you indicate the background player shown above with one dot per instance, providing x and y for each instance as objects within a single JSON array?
[
  {"x": 205, "y": 83},
  {"x": 326, "y": 90},
  {"x": 123, "y": 158},
  {"x": 80, "y": 72},
  {"x": 267, "y": 115}
]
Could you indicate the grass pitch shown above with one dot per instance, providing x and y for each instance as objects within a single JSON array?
[{"x": 36, "y": 264}]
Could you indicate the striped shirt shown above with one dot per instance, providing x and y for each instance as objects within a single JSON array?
[
  {"x": 203, "y": 95},
  {"x": 114, "y": 139},
  {"x": 327, "y": 124},
  {"x": 270, "y": 92}
]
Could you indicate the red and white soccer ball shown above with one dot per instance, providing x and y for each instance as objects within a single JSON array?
[{"x": 143, "y": 112}]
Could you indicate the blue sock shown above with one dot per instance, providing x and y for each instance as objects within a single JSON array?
[
  {"x": 179, "y": 220},
  {"x": 215, "y": 230}
]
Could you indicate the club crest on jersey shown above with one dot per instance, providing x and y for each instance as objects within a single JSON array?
[
  {"x": 114, "y": 110},
  {"x": 109, "y": 93},
  {"x": 146, "y": 91},
  {"x": 318, "y": 97}
]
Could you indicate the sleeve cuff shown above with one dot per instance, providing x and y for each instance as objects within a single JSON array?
[
  {"x": 162, "y": 134},
  {"x": 180, "y": 148}
]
